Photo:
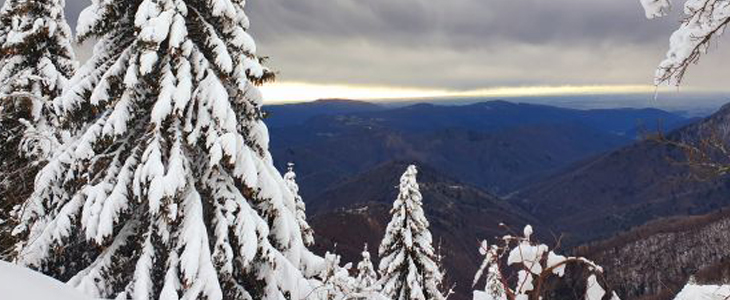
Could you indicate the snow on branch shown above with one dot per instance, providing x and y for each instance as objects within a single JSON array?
[
  {"x": 704, "y": 21},
  {"x": 534, "y": 264},
  {"x": 656, "y": 8}
]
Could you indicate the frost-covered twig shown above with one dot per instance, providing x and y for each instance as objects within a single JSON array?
[{"x": 536, "y": 264}]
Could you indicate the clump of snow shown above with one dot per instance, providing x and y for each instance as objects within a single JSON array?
[
  {"x": 18, "y": 283},
  {"x": 528, "y": 255},
  {"x": 704, "y": 292},
  {"x": 656, "y": 8},
  {"x": 557, "y": 263},
  {"x": 594, "y": 290}
]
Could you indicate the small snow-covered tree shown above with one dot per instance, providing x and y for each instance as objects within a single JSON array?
[
  {"x": 168, "y": 190},
  {"x": 407, "y": 260},
  {"x": 494, "y": 288},
  {"x": 366, "y": 282},
  {"x": 36, "y": 60},
  {"x": 301, "y": 209},
  {"x": 336, "y": 281},
  {"x": 704, "y": 21},
  {"x": 534, "y": 264},
  {"x": 337, "y": 284}
]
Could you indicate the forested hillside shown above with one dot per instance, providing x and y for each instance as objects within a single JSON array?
[
  {"x": 498, "y": 146},
  {"x": 628, "y": 187}
]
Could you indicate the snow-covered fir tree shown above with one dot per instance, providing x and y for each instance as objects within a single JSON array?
[
  {"x": 168, "y": 190},
  {"x": 366, "y": 282},
  {"x": 494, "y": 286},
  {"x": 407, "y": 260},
  {"x": 301, "y": 209},
  {"x": 336, "y": 281},
  {"x": 36, "y": 60}
]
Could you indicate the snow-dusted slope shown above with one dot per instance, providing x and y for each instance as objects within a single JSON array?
[
  {"x": 704, "y": 292},
  {"x": 18, "y": 283}
]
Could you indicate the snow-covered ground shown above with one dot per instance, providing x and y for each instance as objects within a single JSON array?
[
  {"x": 18, "y": 283},
  {"x": 704, "y": 292}
]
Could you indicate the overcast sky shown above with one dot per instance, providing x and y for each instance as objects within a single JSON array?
[{"x": 465, "y": 44}]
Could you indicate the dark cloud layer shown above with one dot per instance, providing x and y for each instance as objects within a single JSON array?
[
  {"x": 464, "y": 44},
  {"x": 460, "y": 23}
]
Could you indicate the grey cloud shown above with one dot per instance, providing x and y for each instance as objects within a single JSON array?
[
  {"x": 463, "y": 23},
  {"x": 513, "y": 64},
  {"x": 463, "y": 44}
]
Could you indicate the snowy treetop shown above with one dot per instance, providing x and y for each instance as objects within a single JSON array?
[
  {"x": 406, "y": 250},
  {"x": 35, "y": 49},
  {"x": 36, "y": 60}
]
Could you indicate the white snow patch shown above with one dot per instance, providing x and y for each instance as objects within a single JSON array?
[
  {"x": 594, "y": 290},
  {"x": 704, "y": 292},
  {"x": 18, "y": 283}
]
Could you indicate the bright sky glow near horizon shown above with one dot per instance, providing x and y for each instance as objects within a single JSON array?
[
  {"x": 384, "y": 49},
  {"x": 283, "y": 92}
]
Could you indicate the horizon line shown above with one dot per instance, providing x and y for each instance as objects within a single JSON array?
[{"x": 297, "y": 92}]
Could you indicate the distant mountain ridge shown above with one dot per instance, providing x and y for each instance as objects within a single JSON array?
[
  {"x": 498, "y": 146},
  {"x": 298, "y": 113},
  {"x": 498, "y": 115}
]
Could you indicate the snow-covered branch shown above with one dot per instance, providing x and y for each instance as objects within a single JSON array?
[
  {"x": 535, "y": 264},
  {"x": 704, "y": 21}
]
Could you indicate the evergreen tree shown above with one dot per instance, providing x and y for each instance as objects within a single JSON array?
[
  {"x": 407, "y": 260},
  {"x": 301, "y": 209},
  {"x": 336, "y": 281},
  {"x": 367, "y": 279},
  {"x": 494, "y": 287},
  {"x": 168, "y": 190},
  {"x": 36, "y": 60}
]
